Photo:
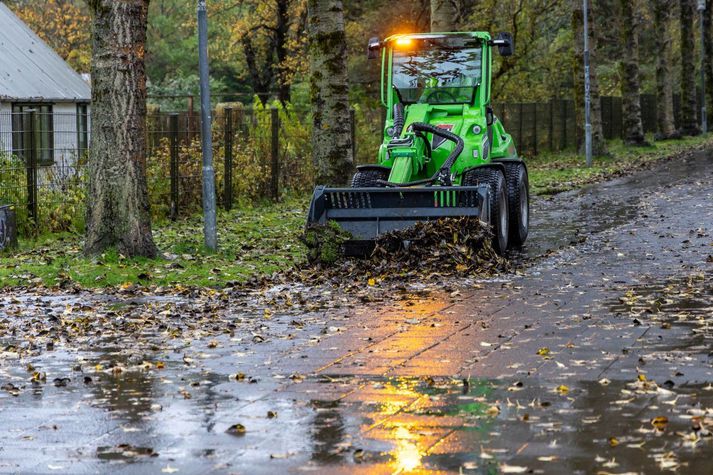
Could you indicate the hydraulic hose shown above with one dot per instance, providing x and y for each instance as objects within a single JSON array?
[
  {"x": 443, "y": 174},
  {"x": 398, "y": 119}
]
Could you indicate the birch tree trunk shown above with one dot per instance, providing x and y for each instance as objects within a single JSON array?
[
  {"x": 689, "y": 122},
  {"x": 118, "y": 206},
  {"x": 329, "y": 92},
  {"x": 599, "y": 144},
  {"x": 444, "y": 14},
  {"x": 665, "y": 126},
  {"x": 630, "y": 94}
]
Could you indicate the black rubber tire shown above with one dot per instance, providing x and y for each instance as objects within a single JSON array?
[
  {"x": 518, "y": 202},
  {"x": 499, "y": 216},
  {"x": 368, "y": 178}
]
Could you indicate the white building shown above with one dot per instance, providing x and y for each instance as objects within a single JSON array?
[{"x": 35, "y": 78}]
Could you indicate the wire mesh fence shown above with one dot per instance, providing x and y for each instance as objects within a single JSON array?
[
  {"x": 260, "y": 153},
  {"x": 551, "y": 126},
  {"x": 42, "y": 156}
]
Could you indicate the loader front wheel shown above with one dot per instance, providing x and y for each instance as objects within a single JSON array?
[
  {"x": 369, "y": 178},
  {"x": 518, "y": 202},
  {"x": 499, "y": 216}
]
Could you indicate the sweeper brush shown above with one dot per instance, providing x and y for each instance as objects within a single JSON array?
[{"x": 444, "y": 153}]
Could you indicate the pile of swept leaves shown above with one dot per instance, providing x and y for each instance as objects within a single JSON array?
[{"x": 439, "y": 248}]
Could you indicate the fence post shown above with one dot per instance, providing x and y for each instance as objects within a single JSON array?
[
  {"x": 620, "y": 115},
  {"x": 173, "y": 133},
  {"x": 519, "y": 133},
  {"x": 352, "y": 125},
  {"x": 191, "y": 119},
  {"x": 274, "y": 155},
  {"x": 563, "y": 120},
  {"x": 611, "y": 118},
  {"x": 551, "y": 136},
  {"x": 30, "y": 152},
  {"x": 534, "y": 127},
  {"x": 228, "y": 161}
]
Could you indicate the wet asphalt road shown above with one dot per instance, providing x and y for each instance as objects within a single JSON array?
[{"x": 596, "y": 357}]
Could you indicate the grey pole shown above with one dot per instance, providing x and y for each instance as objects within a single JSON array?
[
  {"x": 209, "y": 219},
  {"x": 587, "y": 93},
  {"x": 704, "y": 119}
]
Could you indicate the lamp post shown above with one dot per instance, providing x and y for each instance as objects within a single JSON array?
[
  {"x": 587, "y": 92},
  {"x": 704, "y": 119},
  {"x": 209, "y": 218}
]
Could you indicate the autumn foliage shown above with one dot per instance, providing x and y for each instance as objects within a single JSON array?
[{"x": 62, "y": 24}]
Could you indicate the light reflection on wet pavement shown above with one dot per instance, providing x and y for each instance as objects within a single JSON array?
[{"x": 595, "y": 358}]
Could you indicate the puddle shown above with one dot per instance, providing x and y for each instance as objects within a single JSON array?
[
  {"x": 684, "y": 301},
  {"x": 178, "y": 416}
]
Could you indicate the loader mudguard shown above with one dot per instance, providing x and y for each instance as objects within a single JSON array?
[
  {"x": 493, "y": 164},
  {"x": 515, "y": 160}
]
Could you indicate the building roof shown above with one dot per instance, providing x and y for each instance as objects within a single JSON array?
[{"x": 32, "y": 71}]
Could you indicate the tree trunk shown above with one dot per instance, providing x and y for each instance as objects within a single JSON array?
[
  {"x": 281, "y": 31},
  {"x": 630, "y": 94},
  {"x": 689, "y": 121},
  {"x": 665, "y": 127},
  {"x": 599, "y": 144},
  {"x": 118, "y": 205},
  {"x": 329, "y": 93},
  {"x": 260, "y": 78},
  {"x": 444, "y": 14}
]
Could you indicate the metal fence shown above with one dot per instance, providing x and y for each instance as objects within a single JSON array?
[
  {"x": 42, "y": 156},
  {"x": 550, "y": 126},
  {"x": 260, "y": 153}
]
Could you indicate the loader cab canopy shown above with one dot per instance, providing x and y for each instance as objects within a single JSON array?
[{"x": 437, "y": 70}]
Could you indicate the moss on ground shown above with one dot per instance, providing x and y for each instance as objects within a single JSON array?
[
  {"x": 252, "y": 242},
  {"x": 255, "y": 242},
  {"x": 324, "y": 242}
]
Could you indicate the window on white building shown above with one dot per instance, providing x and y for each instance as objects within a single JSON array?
[{"x": 38, "y": 135}]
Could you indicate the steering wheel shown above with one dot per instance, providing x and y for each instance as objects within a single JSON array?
[{"x": 438, "y": 92}]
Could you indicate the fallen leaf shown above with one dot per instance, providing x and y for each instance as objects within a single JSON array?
[
  {"x": 659, "y": 422},
  {"x": 236, "y": 429},
  {"x": 505, "y": 468}
]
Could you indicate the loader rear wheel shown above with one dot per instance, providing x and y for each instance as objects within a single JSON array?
[
  {"x": 499, "y": 219},
  {"x": 518, "y": 202},
  {"x": 369, "y": 178}
]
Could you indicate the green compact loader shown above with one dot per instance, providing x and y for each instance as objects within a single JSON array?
[{"x": 444, "y": 152}]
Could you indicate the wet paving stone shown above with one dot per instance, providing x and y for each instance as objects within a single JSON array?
[{"x": 591, "y": 358}]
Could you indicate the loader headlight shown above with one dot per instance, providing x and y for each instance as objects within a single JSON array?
[{"x": 477, "y": 129}]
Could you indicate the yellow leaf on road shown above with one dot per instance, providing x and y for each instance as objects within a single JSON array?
[{"x": 659, "y": 422}]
